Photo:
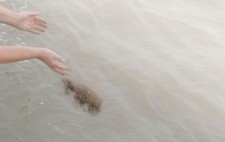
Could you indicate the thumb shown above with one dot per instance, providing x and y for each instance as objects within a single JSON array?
[{"x": 33, "y": 14}]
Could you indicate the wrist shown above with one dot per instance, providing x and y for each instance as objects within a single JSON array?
[
  {"x": 39, "y": 53},
  {"x": 13, "y": 18},
  {"x": 7, "y": 16}
]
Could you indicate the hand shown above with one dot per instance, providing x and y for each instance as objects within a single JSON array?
[
  {"x": 29, "y": 21},
  {"x": 54, "y": 61}
]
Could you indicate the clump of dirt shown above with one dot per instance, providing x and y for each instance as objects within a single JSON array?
[{"x": 84, "y": 95}]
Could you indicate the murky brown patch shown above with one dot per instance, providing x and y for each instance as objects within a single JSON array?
[{"x": 84, "y": 96}]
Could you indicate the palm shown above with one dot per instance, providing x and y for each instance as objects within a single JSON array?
[
  {"x": 30, "y": 21},
  {"x": 54, "y": 61}
]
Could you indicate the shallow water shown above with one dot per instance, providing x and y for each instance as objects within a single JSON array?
[{"x": 158, "y": 65}]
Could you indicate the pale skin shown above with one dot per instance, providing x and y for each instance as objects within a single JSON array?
[{"x": 31, "y": 22}]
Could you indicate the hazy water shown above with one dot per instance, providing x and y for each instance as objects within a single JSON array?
[{"x": 159, "y": 65}]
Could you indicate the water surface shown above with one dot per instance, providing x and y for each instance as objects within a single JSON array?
[{"x": 159, "y": 65}]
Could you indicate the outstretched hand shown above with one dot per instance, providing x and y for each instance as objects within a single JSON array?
[
  {"x": 29, "y": 21},
  {"x": 32, "y": 22},
  {"x": 54, "y": 61}
]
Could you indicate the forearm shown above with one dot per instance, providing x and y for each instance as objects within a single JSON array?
[
  {"x": 6, "y": 16},
  {"x": 17, "y": 53}
]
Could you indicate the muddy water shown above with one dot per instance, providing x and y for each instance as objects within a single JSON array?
[{"x": 159, "y": 66}]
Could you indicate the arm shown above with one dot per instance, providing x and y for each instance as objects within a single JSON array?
[
  {"x": 6, "y": 16},
  {"x": 13, "y": 53},
  {"x": 17, "y": 53},
  {"x": 27, "y": 20}
]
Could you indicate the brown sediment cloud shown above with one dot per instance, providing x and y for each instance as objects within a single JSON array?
[{"x": 83, "y": 95}]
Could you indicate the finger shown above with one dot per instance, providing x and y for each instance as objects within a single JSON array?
[
  {"x": 62, "y": 67},
  {"x": 40, "y": 19},
  {"x": 43, "y": 25},
  {"x": 33, "y": 14},
  {"x": 59, "y": 65},
  {"x": 40, "y": 29},
  {"x": 57, "y": 71},
  {"x": 34, "y": 31},
  {"x": 59, "y": 58},
  {"x": 61, "y": 72},
  {"x": 67, "y": 69}
]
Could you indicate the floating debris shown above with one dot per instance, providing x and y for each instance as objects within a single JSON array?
[{"x": 84, "y": 96}]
